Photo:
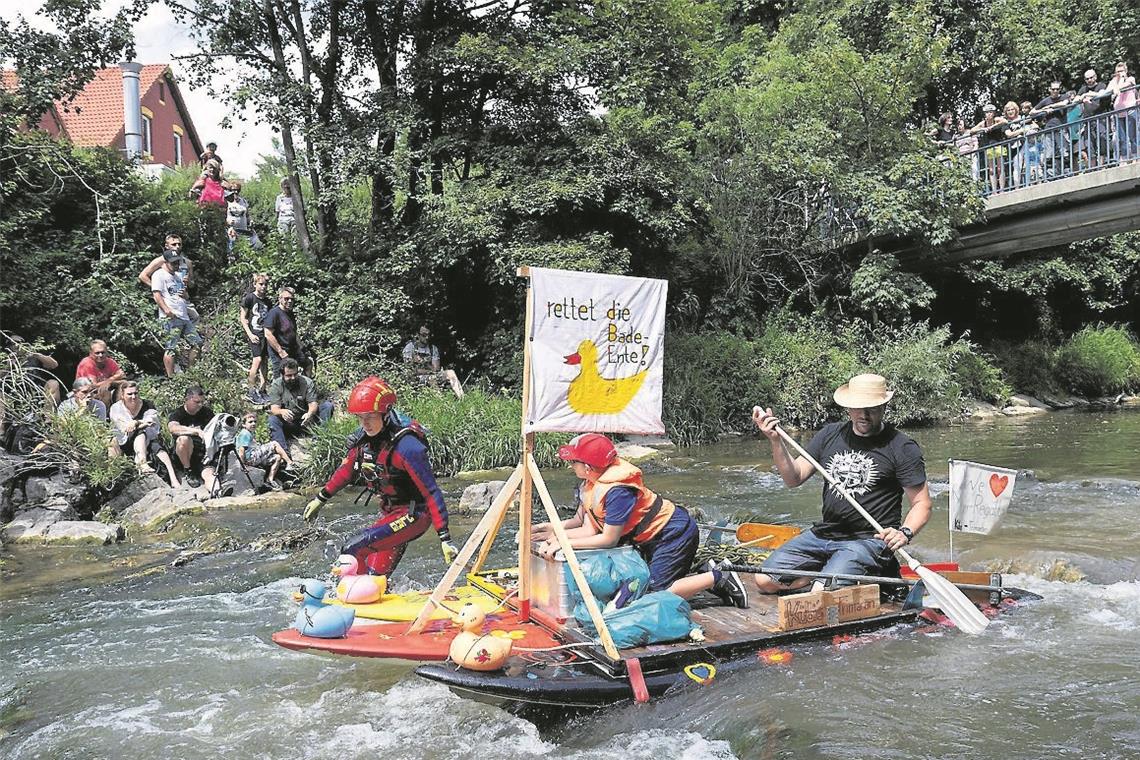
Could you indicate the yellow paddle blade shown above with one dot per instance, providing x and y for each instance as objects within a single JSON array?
[{"x": 773, "y": 535}]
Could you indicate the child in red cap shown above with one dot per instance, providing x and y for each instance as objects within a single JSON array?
[{"x": 615, "y": 507}]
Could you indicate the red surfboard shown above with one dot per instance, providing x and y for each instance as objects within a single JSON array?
[{"x": 391, "y": 640}]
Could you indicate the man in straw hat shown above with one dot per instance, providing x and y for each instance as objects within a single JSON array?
[{"x": 876, "y": 464}]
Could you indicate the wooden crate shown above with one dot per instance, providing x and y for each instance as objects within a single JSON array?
[{"x": 820, "y": 608}]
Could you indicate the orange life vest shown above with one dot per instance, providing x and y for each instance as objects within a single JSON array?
[{"x": 622, "y": 473}]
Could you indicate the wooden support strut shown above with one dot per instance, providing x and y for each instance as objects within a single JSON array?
[{"x": 492, "y": 517}]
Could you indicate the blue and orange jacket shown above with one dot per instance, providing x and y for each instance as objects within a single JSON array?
[
  {"x": 395, "y": 466},
  {"x": 622, "y": 473}
]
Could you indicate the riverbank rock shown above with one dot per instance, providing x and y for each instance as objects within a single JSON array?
[
  {"x": 161, "y": 505},
  {"x": 30, "y": 525},
  {"x": 982, "y": 410},
  {"x": 83, "y": 532},
  {"x": 1020, "y": 403},
  {"x": 635, "y": 452},
  {"x": 134, "y": 491},
  {"x": 55, "y": 492},
  {"x": 477, "y": 497}
]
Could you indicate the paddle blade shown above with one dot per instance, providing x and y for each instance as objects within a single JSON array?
[{"x": 954, "y": 604}]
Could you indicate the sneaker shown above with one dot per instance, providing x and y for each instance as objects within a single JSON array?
[
  {"x": 192, "y": 480},
  {"x": 731, "y": 589},
  {"x": 274, "y": 485}
]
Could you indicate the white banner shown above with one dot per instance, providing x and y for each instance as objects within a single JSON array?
[
  {"x": 979, "y": 495},
  {"x": 597, "y": 348}
]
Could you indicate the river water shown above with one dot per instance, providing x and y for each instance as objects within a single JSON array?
[{"x": 142, "y": 660}]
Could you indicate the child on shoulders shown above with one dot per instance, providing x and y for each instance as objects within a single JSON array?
[{"x": 262, "y": 455}]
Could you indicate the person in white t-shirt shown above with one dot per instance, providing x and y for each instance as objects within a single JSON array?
[
  {"x": 238, "y": 222},
  {"x": 283, "y": 207},
  {"x": 169, "y": 292}
]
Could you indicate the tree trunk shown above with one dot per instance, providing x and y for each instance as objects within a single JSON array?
[
  {"x": 286, "y": 126},
  {"x": 385, "y": 45}
]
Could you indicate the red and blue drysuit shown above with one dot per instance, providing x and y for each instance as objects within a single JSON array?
[{"x": 394, "y": 466}]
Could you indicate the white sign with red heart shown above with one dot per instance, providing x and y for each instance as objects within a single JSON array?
[{"x": 979, "y": 495}]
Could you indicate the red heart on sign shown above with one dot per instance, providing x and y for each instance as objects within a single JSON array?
[{"x": 998, "y": 483}]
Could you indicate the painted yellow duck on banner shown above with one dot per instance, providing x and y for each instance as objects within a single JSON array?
[
  {"x": 590, "y": 393},
  {"x": 615, "y": 328}
]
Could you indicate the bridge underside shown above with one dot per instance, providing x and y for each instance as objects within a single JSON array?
[{"x": 1063, "y": 211}]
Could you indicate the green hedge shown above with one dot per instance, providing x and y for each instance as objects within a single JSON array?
[{"x": 1099, "y": 360}]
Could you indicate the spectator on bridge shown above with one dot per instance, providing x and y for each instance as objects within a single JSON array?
[
  {"x": 967, "y": 144},
  {"x": 1054, "y": 144},
  {"x": 1020, "y": 159},
  {"x": 990, "y": 137},
  {"x": 943, "y": 133},
  {"x": 1094, "y": 132},
  {"x": 1123, "y": 89}
]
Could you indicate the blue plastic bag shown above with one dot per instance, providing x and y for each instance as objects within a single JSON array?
[
  {"x": 654, "y": 618},
  {"x": 606, "y": 572}
]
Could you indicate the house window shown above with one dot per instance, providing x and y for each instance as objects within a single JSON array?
[
  {"x": 148, "y": 146},
  {"x": 177, "y": 149}
]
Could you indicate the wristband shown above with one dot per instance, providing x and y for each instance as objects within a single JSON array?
[
  {"x": 323, "y": 495},
  {"x": 445, "y": 535}
]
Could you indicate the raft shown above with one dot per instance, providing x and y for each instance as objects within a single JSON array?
[
  {"x": 735, "y": 639},
  {"x": 389, "y": 639},
  {"x": 404, "y": 607}
]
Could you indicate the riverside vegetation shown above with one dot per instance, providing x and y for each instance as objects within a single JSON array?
[{"x": 646, "y": 137}]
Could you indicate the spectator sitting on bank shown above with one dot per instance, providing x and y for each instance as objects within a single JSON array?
[
  {"x": 293, "y": 404},
  {"x": 185, "y": 269},
  {"x": 188, "y": 424},
  {"x": 283, "y": 208},
  {"x": 281, "y": 334},
  {"x": 265, "y": 456},
  {"x": 208, "y": 187},
  {"x": 210, "y": 154},
  {"x": 169, "y": 292},
  {"x": 105, "y": 373},
  {"x": 81, "y": 400},
  {"x": 423, "y": 358},
  {"x": 252, "y": 311},
  {"x": 38, "y": 371},
  {"x": 137, "y": 430},
  {"x": 238, "y": 223}
]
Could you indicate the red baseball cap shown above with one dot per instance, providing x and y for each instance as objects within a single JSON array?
[{"x": 592, "y": 448}]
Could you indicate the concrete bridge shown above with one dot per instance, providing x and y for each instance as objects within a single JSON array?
[{"x": 1059, "y": 212}]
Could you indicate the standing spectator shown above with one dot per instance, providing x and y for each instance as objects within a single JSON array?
[
  {"x": 105, "y": 373},
  {"x": 137, "y": 430},
  {"x": 208, "y": 187},
  {"x": 1024, "y": 128},
  {"x": 1053, "y": 143},
  {"x": 1123, "y": 89},
  {"x": 188, "y": 424},
  {"x": 281, "y": 333},
  {"x": 1094, "y": 133},
  {"x": 38, "y": 371},
  {"x": 237, "y": 220},
  {"x": 423, "y": 358},
  {"x": 293, "y": 404},
  {"x": 169, "y": 293},
  {"x": 967, "y": 144},
  {"x": 989, "y": 131},
  {"x": 1073, "y": 114},
  {"x": 283, "y": 207},
  {"x": 252, "y": 312},
  {"x": 80, "y": 400},
  {"x": 943, "y": 133},
  {"x": 210, "y": 154},
  {"x": 185, "y": 269}
]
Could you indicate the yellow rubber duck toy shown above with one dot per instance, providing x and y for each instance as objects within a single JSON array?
[
  {"x": 471, "y": 648},
  {"x": 590, "y": 393}
]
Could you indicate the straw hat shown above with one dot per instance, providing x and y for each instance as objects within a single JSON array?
[{"x": 863, "y": 392}]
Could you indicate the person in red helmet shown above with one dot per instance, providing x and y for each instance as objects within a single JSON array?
[
  {"x": 615, "y": 507},
  {"x": 390, "y": 455}
]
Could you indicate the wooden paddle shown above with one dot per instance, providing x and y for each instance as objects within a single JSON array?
[
  {"x": 761, "y": 535},
  {"x": 951, "y": 600}
]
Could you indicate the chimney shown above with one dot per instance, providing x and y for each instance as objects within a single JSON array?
[{"x": 132, "y": 110}]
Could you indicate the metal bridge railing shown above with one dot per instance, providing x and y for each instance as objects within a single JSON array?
[{"x": 1090, "y": 144}]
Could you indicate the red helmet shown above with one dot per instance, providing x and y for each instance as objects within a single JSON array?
[
  {"x": 592, "y": 448},
  {"x": 371, "y": 395}
]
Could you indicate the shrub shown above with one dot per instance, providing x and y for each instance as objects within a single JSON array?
[
  {"x": 917, "y": 361},
  {"x": 83, "y": 440},
  {"x": 977, "y": 374},
  {"x": 1099, "y": 360},
  {"x": 1028, "y": 367}
]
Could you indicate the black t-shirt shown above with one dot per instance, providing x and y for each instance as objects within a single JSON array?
[
  {"x": 199, "y": 420},
  {"x": 1056, "y": 116},
  {"x": 1095, "y": 105},
  {"x": 873, "y": 470},
  {"x": 257, "y": 308},
  {"x": 284, "y": 328}
]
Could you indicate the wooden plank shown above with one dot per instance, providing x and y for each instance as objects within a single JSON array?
[
  {"x": 820, "y": 608},
  {"x": 772, "y": 535}
]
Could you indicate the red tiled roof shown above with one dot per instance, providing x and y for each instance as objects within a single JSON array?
[{"x": 95, "y": 117}]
